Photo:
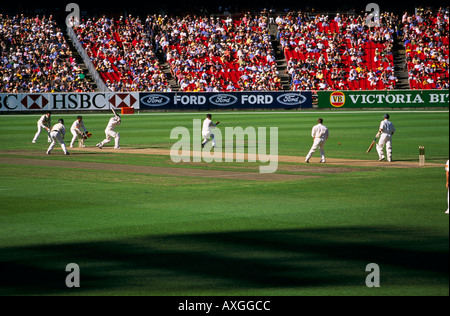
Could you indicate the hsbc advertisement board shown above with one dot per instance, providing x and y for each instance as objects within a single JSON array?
[
  {"x": 230, "y": 100},
  {"x": 68, "y": 101},
  {"x": 153, "y": 101}
]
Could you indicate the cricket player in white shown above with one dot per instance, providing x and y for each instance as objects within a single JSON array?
[
  {"x": 320, "y": 135},
  {"x": 43, "y": 123},
  {"x": 110, "y": 133},
  {"x": 57, "y": 136},
  {"x": 206, "y": 131},
  {"x": 78, "y": 131},
  {"x": 385, "y": 133},
  {"x": 448, "y": 193}
]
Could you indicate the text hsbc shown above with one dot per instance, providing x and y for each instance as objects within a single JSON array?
[{"x": 78, "y": 101}]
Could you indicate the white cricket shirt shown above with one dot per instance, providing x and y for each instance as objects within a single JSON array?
[{"x": 320, "y": 131}]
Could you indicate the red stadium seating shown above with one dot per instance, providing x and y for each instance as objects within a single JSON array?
[{"x": 337, "y": 40}]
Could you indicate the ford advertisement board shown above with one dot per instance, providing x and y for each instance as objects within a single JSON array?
[{"x": 230, "y": 100}]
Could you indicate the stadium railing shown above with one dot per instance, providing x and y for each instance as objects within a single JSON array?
[{"x": 95, "y": 75}]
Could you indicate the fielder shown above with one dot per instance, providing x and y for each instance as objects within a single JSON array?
[
  {"x": 57, "y": 135},
  {"x": 43, "y": 123},
  {"x": 79, "y": 132},
  {"x": 320, "y": 135},
  {"x": 385, "y": 133},
  {"x": 110, "y": 133},
  {"x": 206, "y": 131},
  {"x": 448, "y": 196}
]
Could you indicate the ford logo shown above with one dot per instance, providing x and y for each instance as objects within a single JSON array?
[
  {"x": 155, "y": 100},
  {"x": 291, "y": 99},
  {"x": 223, "y": 99}
]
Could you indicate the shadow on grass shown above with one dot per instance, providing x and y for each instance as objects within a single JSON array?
[{"x": 248, "y": 260}]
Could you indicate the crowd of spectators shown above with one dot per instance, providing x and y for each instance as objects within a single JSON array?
[
  {"x": 210, "y": 54},
  {"x": 215, "y": 54},
  {"x": 325, "y": 53},
  {"x": 123, "y": 54},
  {"x": 426, "y": 39},
  {"x": 35, "y": 57}
]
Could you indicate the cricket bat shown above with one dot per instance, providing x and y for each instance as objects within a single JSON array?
[
  {"x": 112, "y": 109},
  {"x": 371, "y": 145}
]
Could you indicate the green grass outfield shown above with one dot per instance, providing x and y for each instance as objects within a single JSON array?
[{"x": 135, "y": 233}]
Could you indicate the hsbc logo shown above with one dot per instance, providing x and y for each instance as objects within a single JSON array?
[
  {"x": 34, "y": 101},
  {"x": 123, "y": 100}
]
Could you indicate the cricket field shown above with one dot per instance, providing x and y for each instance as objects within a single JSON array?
[{"x": 138, "y": 223}]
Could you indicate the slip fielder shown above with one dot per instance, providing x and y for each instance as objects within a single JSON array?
[
  {"x": 43, "y": 123},
  {"x": 57, "y": 136}
]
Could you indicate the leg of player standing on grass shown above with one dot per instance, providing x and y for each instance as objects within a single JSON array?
[
  {"x": 38, "y": 133},
  {"x": 76, "y": 135},
  {"x": 389, "y": 148},
  {"x": 117, "y": 141},
  {"x": 448, "y": 192},
  {"x": 313, "y": 149},
  {"x": 57, "y": 138},
  {"x": 109, "y": 136},
  {"x": 380, "y": 147},
  {"x": 207, "y": 137},
  {"x": 322, "y": 151}
]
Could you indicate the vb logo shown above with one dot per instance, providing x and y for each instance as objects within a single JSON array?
[{"x": 337, "y": 99}]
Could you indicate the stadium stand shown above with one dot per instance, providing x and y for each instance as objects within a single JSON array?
[
  {"x": 341, "y": 53},
  {"x": 215, "y": 54},
  {"x": 123, "y": 54},
  {"x": 35, "y": 57},
  {"x": 426, "y": 39},
  {"x": 226, "y": 52}
]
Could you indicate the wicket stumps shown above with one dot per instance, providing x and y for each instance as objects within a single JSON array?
[{"x": 421, "y": 155}]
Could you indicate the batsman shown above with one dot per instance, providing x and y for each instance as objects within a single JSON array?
[
  {"x": 110, "y": 133},
  {"x": 385, "y": 133}
]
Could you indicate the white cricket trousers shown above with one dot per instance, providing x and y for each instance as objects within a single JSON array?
[
  {"x": 36, "y": 136},
  {"x": 385, "y": 140},
  {"x": 207, "y": 136},
  {"x": 319, "y": 143},
  {"x": 56, "y": 137},
  {"x": 109, "y": 135},
  {"x": 448, "y": 200},
  {"x": 77, "y": 135}
]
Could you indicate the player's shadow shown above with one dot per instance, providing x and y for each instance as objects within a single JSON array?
[{"x": 230, "y": 261}]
